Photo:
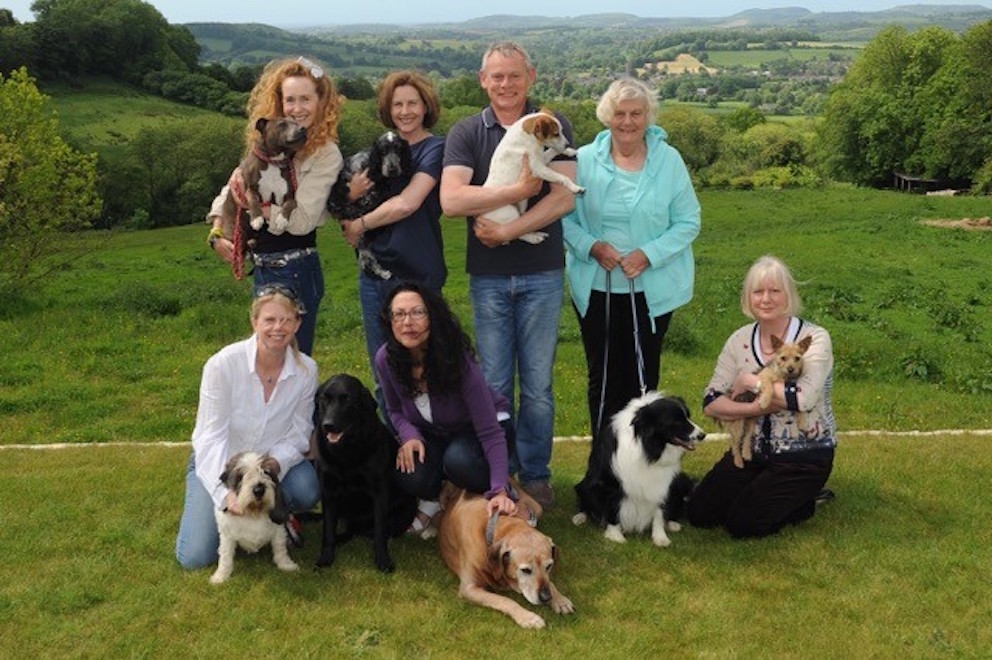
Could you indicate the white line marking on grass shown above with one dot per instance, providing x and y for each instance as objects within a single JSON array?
[{"x": 564, "y": 438}]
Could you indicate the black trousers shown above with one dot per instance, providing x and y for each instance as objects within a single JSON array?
[
  {"x": 459, "y": 458},
  {"x": 622, "y": 382},
  {"x": 760, "y": 498}
]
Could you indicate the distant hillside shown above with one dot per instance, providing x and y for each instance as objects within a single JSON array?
[{"x": 582, "y": 46}]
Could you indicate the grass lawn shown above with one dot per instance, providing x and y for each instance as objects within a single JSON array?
[
  {"x": 897, "y": 565},
  {"x": 111, "y": 348}
]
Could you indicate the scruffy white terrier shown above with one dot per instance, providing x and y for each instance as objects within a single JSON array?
[{"x": 254, "y": 479}]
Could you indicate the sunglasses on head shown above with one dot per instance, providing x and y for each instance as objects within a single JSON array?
[
  {"x": 282, "y": 290},
  {"x": 314, "y": 70}
]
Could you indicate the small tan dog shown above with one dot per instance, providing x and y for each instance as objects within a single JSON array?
[
  {"x": 786, "y": 364},
  {"x": 539, "y": 136},
  {"x": 514, "y": 557}
]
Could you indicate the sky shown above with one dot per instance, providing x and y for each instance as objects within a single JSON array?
[{"x": 304, "y": 13}]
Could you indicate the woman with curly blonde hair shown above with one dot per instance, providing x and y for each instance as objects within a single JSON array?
[{"x": 298, "y": 89}]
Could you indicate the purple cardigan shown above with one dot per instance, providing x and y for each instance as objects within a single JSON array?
[{"x": 475, "y": 406}]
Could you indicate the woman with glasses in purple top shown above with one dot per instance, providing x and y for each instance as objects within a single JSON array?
[{"x": 450, "y": 424}]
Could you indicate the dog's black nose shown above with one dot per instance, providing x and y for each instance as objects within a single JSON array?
[
  {"x": 544, "y": 595},
  {"x": 258, "y": 491}
]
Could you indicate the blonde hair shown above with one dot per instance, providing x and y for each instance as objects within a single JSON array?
[
  {"x": 266, "y": 101},
  {"x": 287, "y": 301},
  {"x": 771, "y": 269},
  {"x": 626, "y": 89},
  {"x": 419, "y": 82}
]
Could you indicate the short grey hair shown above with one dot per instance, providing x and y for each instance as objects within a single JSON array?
[
  {"x": 626, "y": 89},
  {"x": 507, "y": 49},
  {"x": 771, "y": 269}
]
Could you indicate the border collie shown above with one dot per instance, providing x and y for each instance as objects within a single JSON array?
[{"x": 634, "y": 480}]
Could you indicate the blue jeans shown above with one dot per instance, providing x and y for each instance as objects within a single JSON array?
[
  {"x": 198, "y": 539},
  {"x": 516, "y": 333},
  {"x": 305, "y": 278}
]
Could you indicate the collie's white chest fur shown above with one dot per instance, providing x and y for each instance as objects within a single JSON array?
[{"x": 645, "y": 485}]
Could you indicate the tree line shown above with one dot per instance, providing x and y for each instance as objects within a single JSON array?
[{"x": 917, "y": 103}]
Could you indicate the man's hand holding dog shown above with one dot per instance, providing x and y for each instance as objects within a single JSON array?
[
  {"x": 410, "y": 451},
  {"x": 494, "y": 234}
]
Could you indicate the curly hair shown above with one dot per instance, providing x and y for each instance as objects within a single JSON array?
[
  {"x": 626, "y": 89},
  {"x": 266, "y": 100},
  {"x": 447, "y": 344},
  {"x": 424, "y": 87}
]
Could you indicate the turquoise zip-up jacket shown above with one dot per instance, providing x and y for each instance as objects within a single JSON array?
[{"x": 664, "y": 222}]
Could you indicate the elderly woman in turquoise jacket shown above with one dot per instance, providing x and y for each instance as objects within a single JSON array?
[{"x": 629, "y": 242}]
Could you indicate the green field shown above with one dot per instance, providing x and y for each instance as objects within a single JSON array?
[
  {"x": 755, "y": 57},
  {"x": 110, "y": 350}
]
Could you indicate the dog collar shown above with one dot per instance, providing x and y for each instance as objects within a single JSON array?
[{"x": 491, "y": 527}]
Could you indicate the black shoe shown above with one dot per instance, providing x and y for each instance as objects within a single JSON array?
[
  {"x": 825, "y": 495},
  {"x": 294, "y": 531}
]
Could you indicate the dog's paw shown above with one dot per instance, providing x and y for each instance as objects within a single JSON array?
[
  {"x": 288, "y": 566},
  {"x": 673, "y": 526},
  {"x": 562, "y": 605},
  {"x": 257, "y": 222},
  {"x": 219, "y": 577},
  {"x": 578, "y": 190},
  {"x": 579, "y": 519},
  {"x": 385, "y": 564},
  {"x": 613, "y": 533},
  {"x": 661, "y": 540},
  {"x": 534, "y": 237},
  {"x": 278, "y": 224},
  {"x": 527, "y": 619}
]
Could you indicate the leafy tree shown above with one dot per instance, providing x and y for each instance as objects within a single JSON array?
[
  {"x": 695, "y": 134},
  {"x": 742, "y": 119},
  {"x": 17, "y": 47},
  {"x": 463, "y": 90},
  {"x": 46, "y": 188},
  {"x": 958, "y": 133},
  {"x": 876, "y": 117},
  {"x": 180, "y": 167},
  {"x": 356, "y": 89}
]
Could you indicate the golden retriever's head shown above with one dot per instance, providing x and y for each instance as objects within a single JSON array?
[{"x": 522, "y": 558}]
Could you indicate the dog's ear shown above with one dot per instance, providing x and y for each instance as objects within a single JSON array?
[
  {"x": 498, "y": 560},
  {"x": 368, "y": 401},
  {"x": 271, "y": 467},
  {"x": 261, "y": 124},
  {"x": 804, "y": 344},
  {"x": 776, "y": 343},
  {"x": 280, "y": 512},
  {"x": 529, "y": 125}
]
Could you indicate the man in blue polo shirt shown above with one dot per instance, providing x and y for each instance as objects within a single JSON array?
[{"x": 516, "y": 288}]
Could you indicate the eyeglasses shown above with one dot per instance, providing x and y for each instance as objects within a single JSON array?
[
  {"x": 314, "y": 70},
  {"x": 417, "y": 314}
]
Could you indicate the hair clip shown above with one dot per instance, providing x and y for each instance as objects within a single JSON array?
[{"x": 314, "y": 70}]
